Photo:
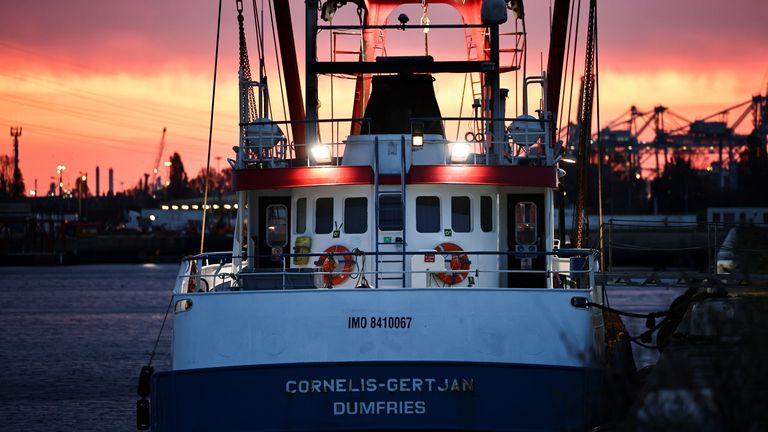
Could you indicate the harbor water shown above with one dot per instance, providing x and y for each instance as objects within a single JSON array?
[{"x": 74, "y": 338}]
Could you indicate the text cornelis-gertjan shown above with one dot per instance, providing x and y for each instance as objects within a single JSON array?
[{"x": 374, "y": 385}]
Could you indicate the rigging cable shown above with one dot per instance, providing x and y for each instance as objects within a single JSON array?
[
  {"x": 585, "y": 121},
  {"x": 565, "y": 74},
  {"x": 210, "y": 129},
  {"x": 573, "y": 72},
  {"x": 264, "y": 92},
  {"x": 288, "y": 130},
  {"x": 599, "y": 149}
]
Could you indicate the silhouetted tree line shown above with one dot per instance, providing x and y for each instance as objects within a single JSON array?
[
  {"x": 180, "y": 186},
  {"x": 8, "y": 188}
]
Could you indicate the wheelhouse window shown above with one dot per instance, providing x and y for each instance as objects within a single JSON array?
[
  {"x": 355, "y": 215},
  {"x": 301, "y": 216},
  {"x": 277, "y": 226},
  {"x": 391, "y": 212},
  {"x": 486, "y": 213},
  {"x": 461, "y": 214},
  {"x": 324, "y": 215},
  {"x": 525, "y": 226},
  {"x": 428, "y": 214}
]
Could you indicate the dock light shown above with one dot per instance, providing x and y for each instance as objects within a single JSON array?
[
  {"x": 228, "y": 206},
  {"x": 417, "y": 135},
  {"x": 185, "y": 207},
  {"x": 165, "y": 207},
  {"x": 167, "y": 163},
  {"x": 235, "y": 205},
  {"x": 174, "y": 207},
  {"x": 637, "y": 176},
  {"x": 152, "y": 218},
  {"x": 321, "y": 153},
  {"x": 84, "y": 178},
  {"x": 215, "y": 206},
  {"x": 459, "y": 152},
  {"x": 195, "y": 207}
]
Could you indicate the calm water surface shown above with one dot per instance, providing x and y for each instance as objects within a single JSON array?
[{"x": 74, "y": 338}]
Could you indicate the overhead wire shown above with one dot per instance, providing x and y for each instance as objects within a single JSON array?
[
  {"x": 87, "y": 114},
  {"x": 102, "y": 141},
  {"x": 79, "y": 92}
]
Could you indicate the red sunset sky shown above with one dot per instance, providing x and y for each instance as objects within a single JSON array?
[{"x": 94, "y": 82}]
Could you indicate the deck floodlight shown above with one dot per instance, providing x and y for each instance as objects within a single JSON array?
[
  {"x": 321, "y": 153},
  {"x": 417, "y": 135},
  {"x": 459, "y": 152}
]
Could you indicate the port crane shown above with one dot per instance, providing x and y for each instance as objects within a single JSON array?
[
  {"x": 706, "y": 140},
  {"x": 156, "y": 171}
]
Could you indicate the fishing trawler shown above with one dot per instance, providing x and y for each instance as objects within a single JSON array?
[{"x": 397, "y": 279}]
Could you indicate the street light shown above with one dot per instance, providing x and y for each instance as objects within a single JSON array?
[
  {"x": 83, "y": 178},
  {"x": 60, "y": 170}
]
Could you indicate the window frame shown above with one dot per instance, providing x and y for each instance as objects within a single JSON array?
[
  {"x": 439, "y": 214},
  {"x": 490, "y": 216},
  {"x": 317, "y": 214},
  {"x": 365, "y": 216},
  {"x": 285, "y": 235},
  {"x": 301, "y": 214},
  {"x": 469, "y": 214}
]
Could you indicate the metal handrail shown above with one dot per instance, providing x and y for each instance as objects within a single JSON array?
[{"x": 220, "y": 257}]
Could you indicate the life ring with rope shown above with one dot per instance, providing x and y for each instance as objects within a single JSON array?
[
  {"x": 459, "y": 264},
  {"x": 328, "y": 264}
]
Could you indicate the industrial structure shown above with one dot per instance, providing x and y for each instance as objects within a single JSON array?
[{"x": 711, "y": 144}]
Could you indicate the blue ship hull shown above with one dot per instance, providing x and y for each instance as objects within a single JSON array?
[{"x": 377, "y": 396}]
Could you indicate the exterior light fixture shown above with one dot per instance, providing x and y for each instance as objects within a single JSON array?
[
  {"x": 185, "y": 207},
  {"x": 417, "y": 135},
  {"x": 175, "y": 207},
  {"x": 195, "y": 207},
  {"x": 459, "y": 152},
  {"x": 321, "y": 153},
  {"x": 227, "y": 206},
  {"x": 152, "y": 217},
  {"x": 568, "y": 159},
  {"x": 165, "y": 207}
]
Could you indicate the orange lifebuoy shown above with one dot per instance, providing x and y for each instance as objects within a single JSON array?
[
  {"x": 459, "y": 261},
  {"x": 329, "y": 262}
]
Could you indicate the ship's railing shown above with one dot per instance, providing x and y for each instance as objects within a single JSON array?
[
  {"x": 563, "y": 268},
  {"x": 524, "y": 140},
  {"x": 268, "y": 143}
]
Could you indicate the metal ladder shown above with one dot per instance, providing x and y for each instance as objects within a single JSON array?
[{"x": 389, "y": 259}]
